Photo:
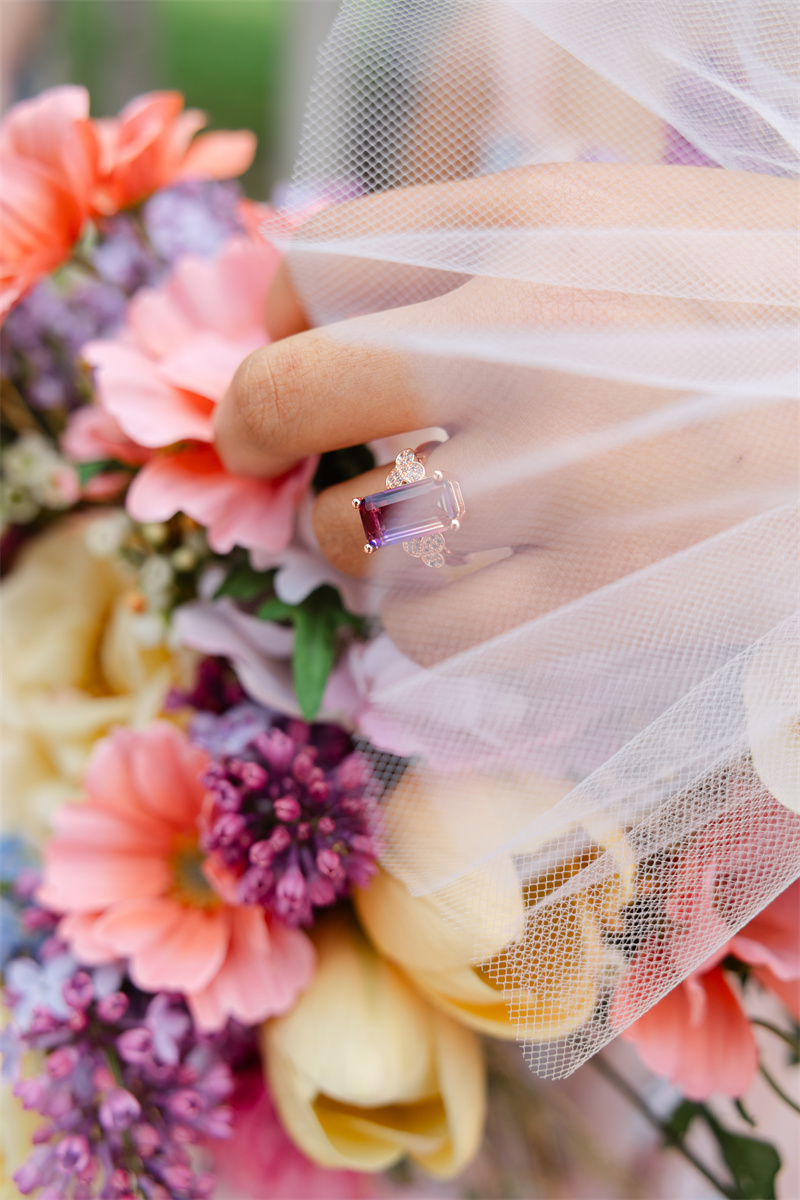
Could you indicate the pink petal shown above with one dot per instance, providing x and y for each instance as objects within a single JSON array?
[
  {"x": 787, "y": 990},
  {"x": 234, "y": 510},
  {"x": 263, "y": 974},
  {"x": 79, "y": 932},
  {"x": 93, "y": 434},
  {"x": 166, "y": 768},
  {"x": 78, "y": 880},
  {"x": 227, "y": 293},
  {"x": 92, "y": 827},
  {"x": 219, "y": 155},
  {"x": 157, "y": 321},
  {"x": 772, "y": 939},
  {"x": 53, "y": 130},
  {"x": 133, "y": 925},
  {"x": 205, "y": 363},
  {"x": 149, "y": 410},
  {"x": 187, "y": 955},
  {"x": 714, "y": 1054},
  {"x": 111, "y": 781}
]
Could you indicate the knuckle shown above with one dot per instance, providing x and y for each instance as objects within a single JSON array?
[{"x": 264, "y": 397}]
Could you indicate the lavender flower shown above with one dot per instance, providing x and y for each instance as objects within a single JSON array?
[
  {"x": 127, "y": 1085},
  {"x": 193, "y": 217},
  {"x": 293, "y": 813}
]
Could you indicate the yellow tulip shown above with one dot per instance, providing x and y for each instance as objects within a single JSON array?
[
  {"x": 364, "y": 1072},
  {"x": 508, "y": 962}
]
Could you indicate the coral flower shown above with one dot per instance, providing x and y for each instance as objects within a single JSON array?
[
  {"x": 60, "y": 167},
  {"x": 48, "y": 166},
  {"x": 126, "y": 869},
  {"x": 152, "y": 143},
  {"x": 699, "y": 1036},
  {"x": 161, "y": 378}
]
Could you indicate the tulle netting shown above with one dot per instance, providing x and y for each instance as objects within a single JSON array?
[{"x": 594, "y": 747}]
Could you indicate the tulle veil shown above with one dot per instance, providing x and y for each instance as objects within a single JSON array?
[{"x": 601, "y": 791}]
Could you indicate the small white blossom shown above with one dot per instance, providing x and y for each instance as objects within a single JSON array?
[{"x": 105, "y": 535}]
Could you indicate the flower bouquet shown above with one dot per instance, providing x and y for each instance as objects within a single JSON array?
[{"x": 212, "y": 985}]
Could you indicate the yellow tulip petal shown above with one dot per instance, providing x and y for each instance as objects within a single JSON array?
[
  {"x": 360, "y": 1031},
  {"x": 363, "y": 1071},
  {"x": 462, "y": 1083},
  {"x": 410, "y": 930}
]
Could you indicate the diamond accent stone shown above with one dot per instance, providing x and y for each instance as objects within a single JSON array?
[
  {"x": 407, "y": 469},
  {"x": 430, "y": 549}
]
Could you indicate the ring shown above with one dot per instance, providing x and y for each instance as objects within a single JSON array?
[{"x": 414, "y": 509}]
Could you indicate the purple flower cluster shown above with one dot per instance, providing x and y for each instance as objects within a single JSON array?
[
  {"x": 294, "y": 815},
  {"x": 43, "y": 335},
  {"x": 127, "y": 1084}
]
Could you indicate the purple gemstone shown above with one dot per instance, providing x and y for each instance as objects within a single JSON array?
[{"x": 411, "y": 511}]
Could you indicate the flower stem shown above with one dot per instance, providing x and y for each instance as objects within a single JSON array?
[
  {"x": 791, "y": 1039},
  {"x": 612, "y": 1076},
  {"x": 777, "y": 1089}
]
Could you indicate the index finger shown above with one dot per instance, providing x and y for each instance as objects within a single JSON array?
[{"x": 316, "y": 391}]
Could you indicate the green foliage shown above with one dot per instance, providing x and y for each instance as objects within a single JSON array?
[
  {"x": 88, "y": 470},
  {"x": 317, "y": 621},
  {"x": 243, "y": 583},
  {"x": 753, "y": 1164}
]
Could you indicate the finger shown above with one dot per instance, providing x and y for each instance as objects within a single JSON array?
[
  {"x": 284, "y": 313},
  {"x": 432, "y": 624},
  {"x": 321, "y": 390}
]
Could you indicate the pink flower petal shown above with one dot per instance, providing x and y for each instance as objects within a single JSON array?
[
  {"x": 772, "y": 939},
  {"x": 157, "y": 322},
  {"x": 235, "y": 511},
  {"x": 166, "y": 771},
  {"x": 227, "y": 293},
  {"x": 93, "y": 434},
  {"x": 79, "y": 932},
  {"x": 263, "y": 974},
  {"x": 99, "y": 829},
  {"x": 787, "y": 990},
  {"x": 206, "y": 362},
  {"x": 219, "y": 155},
  {"x": 149, "y": 409},
  {"x": 715, "y": 1053},
  {"x": 78, "y": 880},
  {"x": 171, "y": 946}
]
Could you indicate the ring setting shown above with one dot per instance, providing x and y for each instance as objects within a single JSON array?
[{"x": 415, "y": 509}]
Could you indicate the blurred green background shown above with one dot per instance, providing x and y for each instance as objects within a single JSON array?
[{"x": 247, "y": 63}]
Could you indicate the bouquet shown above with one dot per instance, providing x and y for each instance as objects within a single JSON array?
[{"x": 212, "y": 984}]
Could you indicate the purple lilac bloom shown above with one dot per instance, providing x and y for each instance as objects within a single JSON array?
[
  {"x": 127, "y": 1086},
  {"x": 294, "y": 814},
  {"x": 216, "y": 689},
  {"x": 193, "y": 217}
]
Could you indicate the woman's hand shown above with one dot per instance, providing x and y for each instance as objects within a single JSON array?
[{"x": 583, "y": 479}]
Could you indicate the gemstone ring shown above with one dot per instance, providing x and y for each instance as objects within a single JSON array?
[{"x": 415, "y": 509}]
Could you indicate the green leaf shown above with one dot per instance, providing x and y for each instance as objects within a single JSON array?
[
  {"x": 317, "y": 621},
  {"x": 678, "y": 1124},
  {"x": 754, "y": 1164},
  {"x": 243, "y": 583},
  {"x": 88, "y": 470},
  {"x": 315, "y": 641}
]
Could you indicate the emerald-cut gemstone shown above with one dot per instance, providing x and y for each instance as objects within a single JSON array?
[{"x": 411, "y": 511}]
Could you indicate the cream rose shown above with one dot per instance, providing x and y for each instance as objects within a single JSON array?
[{"x": 77, "y": 660}]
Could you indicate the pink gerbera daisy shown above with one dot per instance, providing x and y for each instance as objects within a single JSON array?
[{"x": 126, "y": 869}]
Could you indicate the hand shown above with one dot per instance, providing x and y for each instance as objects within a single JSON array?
[{"x": 582, "y": 479}]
